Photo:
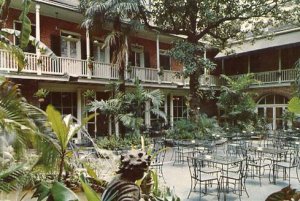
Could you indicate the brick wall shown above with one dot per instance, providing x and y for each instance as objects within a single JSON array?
[
  {"x": 261, "y": 92},
  {"x": 28, "y": 88}
]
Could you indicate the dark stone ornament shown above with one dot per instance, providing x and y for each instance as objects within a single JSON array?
[{"x": 123, "y": 188}]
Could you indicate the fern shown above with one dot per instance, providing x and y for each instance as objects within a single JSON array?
[{"x": 14, "y": 178}]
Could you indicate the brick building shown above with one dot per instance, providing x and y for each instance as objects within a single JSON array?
[
  {"x": 58, "y": 25},
  {"x": 273, "y": 63}
]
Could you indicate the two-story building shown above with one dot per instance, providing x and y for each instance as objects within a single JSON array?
[
  {"x": 58, "y": 25},
  {"x": 272, "y": 60}
]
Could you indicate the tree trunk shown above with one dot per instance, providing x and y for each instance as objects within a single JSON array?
[
  {"x": 4, "y": 13},
  {"x": 194, "y": 96},
  {"x": 61, "y": 166}
]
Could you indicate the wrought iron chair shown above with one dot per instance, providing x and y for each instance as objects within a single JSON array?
[
  {"x": 199, "y": 175},
  {"x": 292, "y": 161},
  {"x": 157, "y": 161},
  {"x": 235, "y": 179}
]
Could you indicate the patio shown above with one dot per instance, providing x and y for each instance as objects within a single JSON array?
[{"x": 177, "y": 177}]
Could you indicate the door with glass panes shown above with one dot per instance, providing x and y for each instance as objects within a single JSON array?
[{"x": 272, "y": 108}]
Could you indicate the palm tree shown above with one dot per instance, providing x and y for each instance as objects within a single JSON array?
[
  {"x": 130, "y": 108},
  {"x": 115, "y": 12}
]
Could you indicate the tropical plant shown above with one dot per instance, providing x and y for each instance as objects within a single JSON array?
[
  {"x": 237, "y": 104},
  {"x": 41, "y": 93},
  {"x": 115, "y": 12},
  {"x": 64, "y": 130},
  {"x": 89, "y": 94},
  {"x": 54, "y": 192},
  {"x": 14, "y": 178},
  {"x": 25, "y": 32},
  {"x": 216, "y": 23},
  {"x": 15, "y": 121},
  {"x": 129, "y": 108}
]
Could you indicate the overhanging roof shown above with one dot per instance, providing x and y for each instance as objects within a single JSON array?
[{"x": 283, "y": 38}]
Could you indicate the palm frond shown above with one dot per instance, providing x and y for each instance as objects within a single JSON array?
[{"x": 13, "y": 178}]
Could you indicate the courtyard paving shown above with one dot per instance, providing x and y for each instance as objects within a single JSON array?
[{"x": 177, "y": 177}]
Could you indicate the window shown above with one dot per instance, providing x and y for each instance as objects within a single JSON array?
[
  {"x": 179, "y": 108},
  {"x": 30, "y": 48},
  {"x": 164, "y": 60},
  {"x": 136, "y": 57},
  {"x": 64, "y": 102},
  {"x": 98, "y": 52},
  {"x": 272, "y": 107},
  {"x": 70, "y": 45}
]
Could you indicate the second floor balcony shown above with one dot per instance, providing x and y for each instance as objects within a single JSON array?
[
  {"x": 62, "y": 66},
  {"x": 105, "y": 72}
]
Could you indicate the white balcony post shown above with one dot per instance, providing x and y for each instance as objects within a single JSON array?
[
  {"x": 126, "y": 57},
  {"x": 38, "y": 37},
  {"x": 79, "y": 113},
  {"x": 116, "y": 127},
  {"x": 279, "y": 65},
  {"x": 249, "y": 64},
  {"x": 88, "y": 52},
  {"x": 109, "y": 126},
  {"x": 157, "y": 57},
  {"x": 171, "y": 111},
  {"x": 166, "y": 108},
  {"x": 147, "y": 114}
]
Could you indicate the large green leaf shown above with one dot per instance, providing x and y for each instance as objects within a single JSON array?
[
  {"x": 58, "y": 126},
  {"x": 26, "y": 24},
  {"x": 42, "y": 191},
  {"x": 61, "y": 193},
  {"x": 90, "y": 194},
  {"x": 294, "y": 105}
]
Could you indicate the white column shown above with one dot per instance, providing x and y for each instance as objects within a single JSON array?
[
  {"x": 249, "y": 64},
  {"x": 166, "y": 107},
  {"x": 223, "y": 70},
  {"x": 38, "y": 37},
  {"x": 109, "y": 126},
  {"x": 157, "y": 56},
  {"x": 279, "y": 65},
  {"x": 88, "y": 51},
  {"x": 147, "y": 114},
  {"x": 126, "y": 57},
  {"x": 204, "y": 56},
  {"x": 171, "y": 110},
  {"x": 79, "y": 113},
  {"x": 116, "y": 127}
]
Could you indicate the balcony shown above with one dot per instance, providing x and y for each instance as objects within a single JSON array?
[
  {"x": 273, "y": 78},
  {"x": 75, "y": 67}
]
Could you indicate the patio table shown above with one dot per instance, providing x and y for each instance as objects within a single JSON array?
[
  {"x": 223, "y": 161},
  {"x": 275, "y": 156}
]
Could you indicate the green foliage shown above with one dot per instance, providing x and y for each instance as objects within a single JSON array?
[
  {"x": 297, "y": 81},
  {"x": 41, "y": 93},
  {"x": 237, "y": 104},
  {"x": 26, "y": 24},
  {"x": 294, "y": 105},
  {"x": 64, "y": 130},
  {"x": 114, "y": 143},
  {"x": 130, "y": 108},
  {"x": 202, "y": 128},
  {"x": 89, "y": 94},
  {"x": 14, "y": 178},
  {"x": 55, "y": 192},
  {"x": 90, "y": 194},
  {"x": 14, "y": 116},
  {"x": 191, "y": 55}
]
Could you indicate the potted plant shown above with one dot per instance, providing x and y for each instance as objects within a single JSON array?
[
  {"x": 90, "y": 63},
  {"x": 161, "y": 71},
  {"x": 89, "y": 95},
  {"x": 41, "y": 94}
]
